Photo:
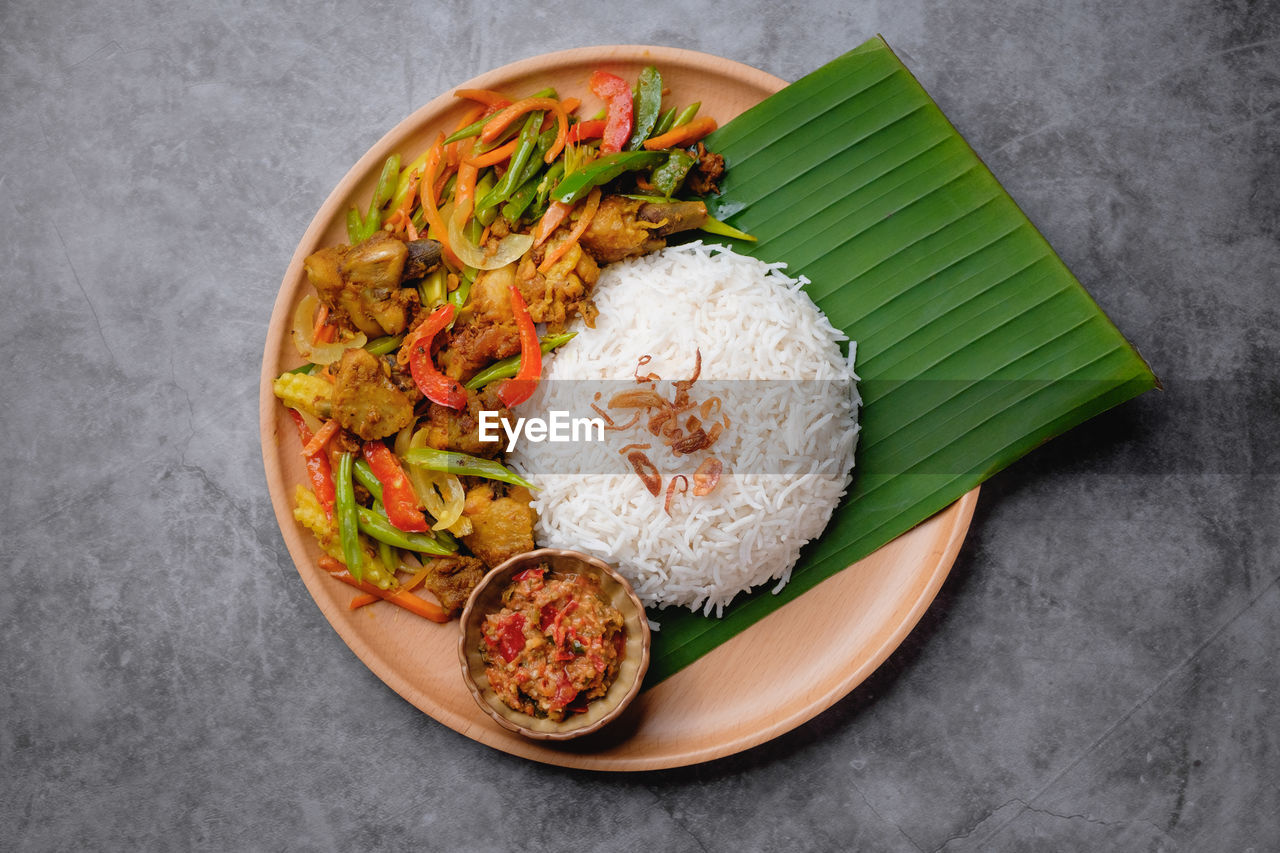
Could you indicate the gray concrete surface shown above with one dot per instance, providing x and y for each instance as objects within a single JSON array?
[{"x": 1099, "y": 672}]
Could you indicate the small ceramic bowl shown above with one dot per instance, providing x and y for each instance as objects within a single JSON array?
[{"x": 487, "y": 598}]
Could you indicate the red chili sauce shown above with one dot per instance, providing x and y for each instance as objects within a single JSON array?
[{"x": 554, "y": 646}]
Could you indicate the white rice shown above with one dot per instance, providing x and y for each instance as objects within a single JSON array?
[{"x": 787, "y": 454}]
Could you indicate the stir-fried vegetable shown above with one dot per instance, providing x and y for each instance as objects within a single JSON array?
[
  {"x": 648, "y": 104},
  {"x": 616, "y": 94},
  {"x": 397, "y": 494},
  {"x": 318, "y": 469},
  {"x": 433, "y": 384},
  {"x": 520, "y": 387},
  {"x": 509, "y": 366},
  {"x": 462, "y": 463},
  {"x": 432, "y": 315},
  {"x": 348, "y": 520}
]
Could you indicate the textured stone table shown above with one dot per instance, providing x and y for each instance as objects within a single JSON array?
[{"x": 1099, "y": 672}]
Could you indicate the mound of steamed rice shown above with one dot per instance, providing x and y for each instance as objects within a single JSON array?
[{"x": 787, "y": 454}]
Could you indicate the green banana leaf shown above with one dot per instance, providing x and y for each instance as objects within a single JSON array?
[{"x": 975, "y": 343}]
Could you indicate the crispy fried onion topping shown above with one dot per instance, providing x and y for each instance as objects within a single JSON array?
[{"x": 666, "y": 419}]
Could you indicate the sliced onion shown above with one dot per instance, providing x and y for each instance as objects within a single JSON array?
[
  {"x": 641, "y": 398},
  {"x": 303, "y": 325},
  {"x": 647, "y": 471},
  {"x": 707, "y": 476},
  {"x": 439, "y": 493},
  {"x": 678, "y": 479},
  {"x": 454, "y": 500},
  {"x": 509, "y": 250},
  {"x": 462, "y": 527}
]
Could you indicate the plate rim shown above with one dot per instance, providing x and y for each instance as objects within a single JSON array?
[{"x": 957, "y": 516}]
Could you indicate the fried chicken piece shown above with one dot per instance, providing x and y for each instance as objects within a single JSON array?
[
  {"x": 616, "y": 232},
  {"x": 563, "y": 291},
  {"x": 502, "y": 526},
  {"x": 361, "y": 284},
  {"x": 451, "y": 579},
  {"x": 448, "y": 429},
  {"x": 487, "y": 330},
  {"x": 365, "y": 400},
  {"x": 627, "y": 228},
  {"x": 706, "y": 172}
]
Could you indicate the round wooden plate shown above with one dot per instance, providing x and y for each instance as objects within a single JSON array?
[{"x": 765, "y": 681}]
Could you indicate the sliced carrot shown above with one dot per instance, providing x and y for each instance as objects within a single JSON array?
[
  {"x": 580, "y": 227},
  {"x": 464, "y": 193},
  {"x": 362, "y": 600},
  {"x": 556, "y": 213},
  {"x": 494, "y": 157},
  {"x": 470, "y": 117},
  {"x": 321, "y": 438},
  {"x": 504, "y": 117},
  {"x": 682, "y": 135},
  {"x": 488, "y": 97},
  {"x": 406, "y": 205},
  {"x": 583, "y": 130},
  {"x": 322, "y": 319},
  {"x": 413, "y": 603},
  {"x": 414, "y": 582},
  {"x": 426, "y": 191}
]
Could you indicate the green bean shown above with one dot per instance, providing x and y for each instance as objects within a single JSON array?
[
  {"x": 431, "y": 290},
  {"x": 388, "y": 557},
  {"x": 475, "y": 127},
  {"x": 384, "y": 344},
  {"x": 509, "y": 366},
  {"x": 602, "y": 170},
  {"x": 538, "y": 161},
  {"x": 381, "y": 530},
  {"x": 382, "y": 194},
  {"x": 648, "y": 103},
  {"x": 527, "y": 176},
  {"x": 664, "y": 124},
  {"x": 548, "y": 181},
  {"x": 348, "y": 521},
  {"x": 470, "y": 130},
  {"x": 686, "y": 115},
  {"x": 364, "y": 476},
  {"x": 484, "y": 215},
  {"x": 452, "y": 462},
  {"x": 529, "y": 136},
  {"x": 520, "y": 200},
  {"x": 355, "y": 225},
  {"x": 458, "y": 297}
]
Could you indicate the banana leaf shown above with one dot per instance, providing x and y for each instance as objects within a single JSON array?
[{"x": 975, "y": 343}]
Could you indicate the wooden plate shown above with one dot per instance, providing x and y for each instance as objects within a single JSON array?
[{"x": 767, "y": 680}]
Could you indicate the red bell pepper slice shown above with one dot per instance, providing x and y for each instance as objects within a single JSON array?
[
  {"x": 589, "y": 129},
  {"x": 616, "y": 94},
  {"x": 526, "y": 574},
  {"x": 511, "y": 641},
  {"x": 520, "y": 387},
  {"x": 397, "y": 492},
  {"x": 318, "y": 469},
  {"x": 565, "y": 691},
  {"x": 546, "y": 616},
  {"x": 433, "y": 384}
]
